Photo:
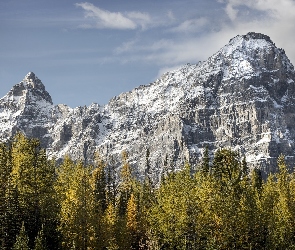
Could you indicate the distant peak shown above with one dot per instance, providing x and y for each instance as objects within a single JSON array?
[
  {"x": 31, "y": 80},
  {"x": 33, "y": 85},
  {"x": 254, "y": 35},
  {"x": 30, "y": 74}
]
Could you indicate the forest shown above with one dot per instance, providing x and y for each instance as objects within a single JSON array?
[{"x": 70, "y": 205}]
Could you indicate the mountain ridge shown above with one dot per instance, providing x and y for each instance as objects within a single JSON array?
[{"x": 242, "y": 97}]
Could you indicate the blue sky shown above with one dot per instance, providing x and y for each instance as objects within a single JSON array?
[{"x": 90, "y": 51}]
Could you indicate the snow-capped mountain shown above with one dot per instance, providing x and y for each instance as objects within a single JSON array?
[{"x": 241, "y": 97}]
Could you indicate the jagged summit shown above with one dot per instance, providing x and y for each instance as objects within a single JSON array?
[
  {"x": 241, "y": 97},
  {"x": 31, "y": 80},
  {"x": 29, "y": 90},
  {"x": 254, "y": 35}
]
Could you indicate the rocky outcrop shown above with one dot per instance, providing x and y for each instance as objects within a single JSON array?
[{"x": 242, "y": 97}]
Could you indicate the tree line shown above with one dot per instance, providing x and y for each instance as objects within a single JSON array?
[{"x": 222, "y": 205}]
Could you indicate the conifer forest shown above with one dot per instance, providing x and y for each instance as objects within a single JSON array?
[{"x": 221, "y": 204}]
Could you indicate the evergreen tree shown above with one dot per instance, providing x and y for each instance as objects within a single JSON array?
[
  {"x": 205, "y": 166},
  {"x": 99, "y": 187},
  {"x": 256, "y": 178},
  {"x": 9, "y": 222},
  {"x": 132, "y": 223},
  {"x": 34, "y": 176},
  {"x": 147, "y": 162},
  {"x": 76, "y": 214},
  {"x": 245, "y": 169},
  {"x": 110, "y": 222},
  {"x": 282, "y": 236},
  {"x": 40, "y": 243},
  {"x": 169, "y": 217},
  {"x": 22, "y": 240},
  {"x": 126, "y": 184},
  {"x": 227, "y": 170},
  {"x": 111, "y": 182},
  {"x": 12, "y": 218}
]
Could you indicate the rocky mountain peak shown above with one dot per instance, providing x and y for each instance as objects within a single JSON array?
[
  {"x": 31, "y": 80},
  {"x": 254, "y": 35},
  {"x": 248, "y": 56},
  {"x": 30, "y": 90}
]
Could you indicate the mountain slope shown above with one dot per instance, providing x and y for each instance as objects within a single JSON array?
[{"x": 242, "y": 97}]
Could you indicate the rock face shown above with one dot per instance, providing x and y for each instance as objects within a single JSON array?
[{"x": 242, "y": 97}]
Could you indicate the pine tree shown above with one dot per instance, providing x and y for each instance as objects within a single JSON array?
[
  {"x": 99, "y": 187},
  {"x": 147, "y": 162},
  {"x": 8, "y": 230},
  {"x": 110, "y": 222},
  {"x": 22, "y": 240},
  {"x": 227, "y": 170},
  {"x": 245, "y": 168},
  {"x": 76, "y": 214},
  {"x": 256, "y": 179},
  {"x": 40, "y": 243},
  {"x": 12, "y": 219},
  {"x": 132, "y": 223},
  {"x": 284, "y": 225},
  {"x": 169, "y": 217},
  {"x": 34, "y": 176},
  {"x": 205, "y": 166},
  {"x": 126, "y": 185},
  {"x": 111, "y": 184}
]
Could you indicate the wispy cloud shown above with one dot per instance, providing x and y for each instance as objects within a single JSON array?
[
  {"x": 126, "y": 46},
  {"x": 191, "y": 25},
  {"x": 104, "y": 19}
]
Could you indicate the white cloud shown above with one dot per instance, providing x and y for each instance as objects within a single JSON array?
[
  {"x": 113, "y": 20},
  {"x": 276, "y": 20},
  {"x": 140, "y": 18},
  {"x": 192, "y": 25}
]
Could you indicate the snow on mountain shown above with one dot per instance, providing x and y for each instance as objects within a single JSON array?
[{"x": 242, "y": 97}]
